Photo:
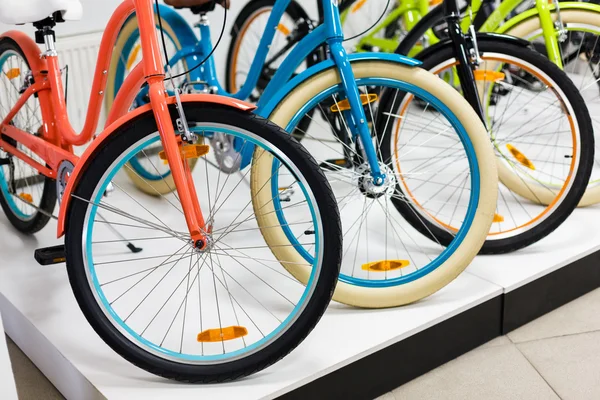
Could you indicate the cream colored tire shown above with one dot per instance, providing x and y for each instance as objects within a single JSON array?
[
  {"x": 506, "y": 175},
  {"x": 410, "y": 292}
]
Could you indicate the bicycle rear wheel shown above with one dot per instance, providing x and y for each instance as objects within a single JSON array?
[
  {"x": 194, "y": 315},
  {"x": 27, "y": 197}
]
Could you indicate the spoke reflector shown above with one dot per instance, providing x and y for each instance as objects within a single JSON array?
[
  {"x": 344, "y": 105},
  {"x": 489, "y": 76},
  {"x": 219, "y": 335},
  {"x": 283, "y": 29},
  {"x": 386, "y": 265},
  {"x": 520, "y": 157},
  {"x": 27, "y": 197},
  {"x": 358, "y": 5},
  {"x": 498, "y": 218},
  {"x": 188, "y": 151},
  {"x": 132, "y": 57},
  {"x": 13, "y": 73}
]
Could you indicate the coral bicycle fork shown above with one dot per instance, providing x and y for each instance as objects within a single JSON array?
[{"x": 154, "y": 73}]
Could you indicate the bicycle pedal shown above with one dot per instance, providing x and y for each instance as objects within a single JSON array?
[
  {"x": 335, "y": 164},
  {"x": 50, "y": 255},
  {"x": 385, "y": 265}
]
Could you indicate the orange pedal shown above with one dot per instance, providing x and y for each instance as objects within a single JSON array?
[
  {"x": 219, "y": 335},
  {"x": 386, "y": 265}
]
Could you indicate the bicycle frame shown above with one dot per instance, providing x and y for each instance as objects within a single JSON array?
[
  {"x": 330, "y": 33},
  {"x": 57, "y": 134}
]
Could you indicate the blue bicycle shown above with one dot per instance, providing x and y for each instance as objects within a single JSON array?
[{"x": 383, "y": 130}]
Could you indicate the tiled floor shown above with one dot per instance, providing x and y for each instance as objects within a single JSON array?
[{"x": 554, "y": 357}]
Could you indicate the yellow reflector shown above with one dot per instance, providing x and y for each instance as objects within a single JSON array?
[
  {"x": 358, "y": 5},
  {"x": 13, "y": 73},
  {"x": 498, "y": 218},
  {"x": 344, "y": 105},
  {"x": 188, "y": 151},
  {"x": 489, "y": 76},
  {"x": 283, "y": 29},
  {"x": 386, "y": 265},
  {"x": 27, "y": 197},
  {"x": 219, "y": 335},
  {"x": 520, "y": 157},
  {"x": 133, "y": 57}
]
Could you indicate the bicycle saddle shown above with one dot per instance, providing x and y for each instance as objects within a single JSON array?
[
  {"x": 197, "y": 6},
  {"x": 16, "y": 12}
]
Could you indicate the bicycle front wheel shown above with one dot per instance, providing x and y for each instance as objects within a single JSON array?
[
  {"x": 194, "y": 315},
  {"x": 386, "y": 262}
]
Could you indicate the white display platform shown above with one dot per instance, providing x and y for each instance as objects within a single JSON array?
[
  {"x": 42, "y": 317},
  {"x": 8, "y": 389}
]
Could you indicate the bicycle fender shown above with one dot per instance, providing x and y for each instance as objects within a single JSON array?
[
  {"x": 30, "y": 48},
  {"x": 481, "y": 38},
  {"x": 116, "y": 127},
  {"x": 532, "y": 13}
]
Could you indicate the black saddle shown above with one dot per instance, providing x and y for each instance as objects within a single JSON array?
[{"x": 205, "y": 8}]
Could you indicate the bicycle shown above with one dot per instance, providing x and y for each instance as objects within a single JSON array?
[
  {"x": 203, "y": 302},
  {"x": 387, "y": 263}
]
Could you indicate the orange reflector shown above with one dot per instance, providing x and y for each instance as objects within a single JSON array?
[
  {"x": 435, "y": 2},
  {"x": 386, "y": 265},
  {"x": 344, "y": 105},
  {"x": 188, "y": 151},
  {"x": 219, "y": 335},
  {"x": 358, "y": 6},
  {"x": 520, "y": 157},
  {"x": 489, "y": 76},
  {"x": 13, "y": 73},
  {"x": 132, "y": 57},
  {"x": 27, "y": 197},
  {"x": 498, "y": 218},
  {"x": 283, "y": 29}
]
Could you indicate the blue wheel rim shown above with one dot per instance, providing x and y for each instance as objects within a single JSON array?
[
  {"x": 116, "y": 318},
  {"x": 473, "y": 165}
]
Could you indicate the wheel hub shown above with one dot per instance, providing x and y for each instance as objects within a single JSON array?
[{"x": 367, "y": 184}]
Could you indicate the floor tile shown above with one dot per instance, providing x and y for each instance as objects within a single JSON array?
[
  {"x": 578, "y": 316},
  {"x": 497, "y": 372},
  {"x": 570, "y": 364},
  {"x": 499, "y": 341},
  {"x": 31, "y": 383}
]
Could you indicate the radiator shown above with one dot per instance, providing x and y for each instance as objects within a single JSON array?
[{"x": 79, "y": 53}]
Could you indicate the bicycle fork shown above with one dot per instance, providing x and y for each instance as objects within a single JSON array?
[
  {"x": 182, "y": 173},
  {"x": 358, "y": 120}
]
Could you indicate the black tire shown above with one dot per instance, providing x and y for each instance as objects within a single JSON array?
[
  {"x": 45, "y": 207},
  {"x": 581, "y": 179},
  {"x": 92, "y": 174}
]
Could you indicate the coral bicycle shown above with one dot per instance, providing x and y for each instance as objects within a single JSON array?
[{"x": 178, "y": 286}]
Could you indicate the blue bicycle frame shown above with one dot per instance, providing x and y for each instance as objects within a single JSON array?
[{"x": 329, "y": 33}]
